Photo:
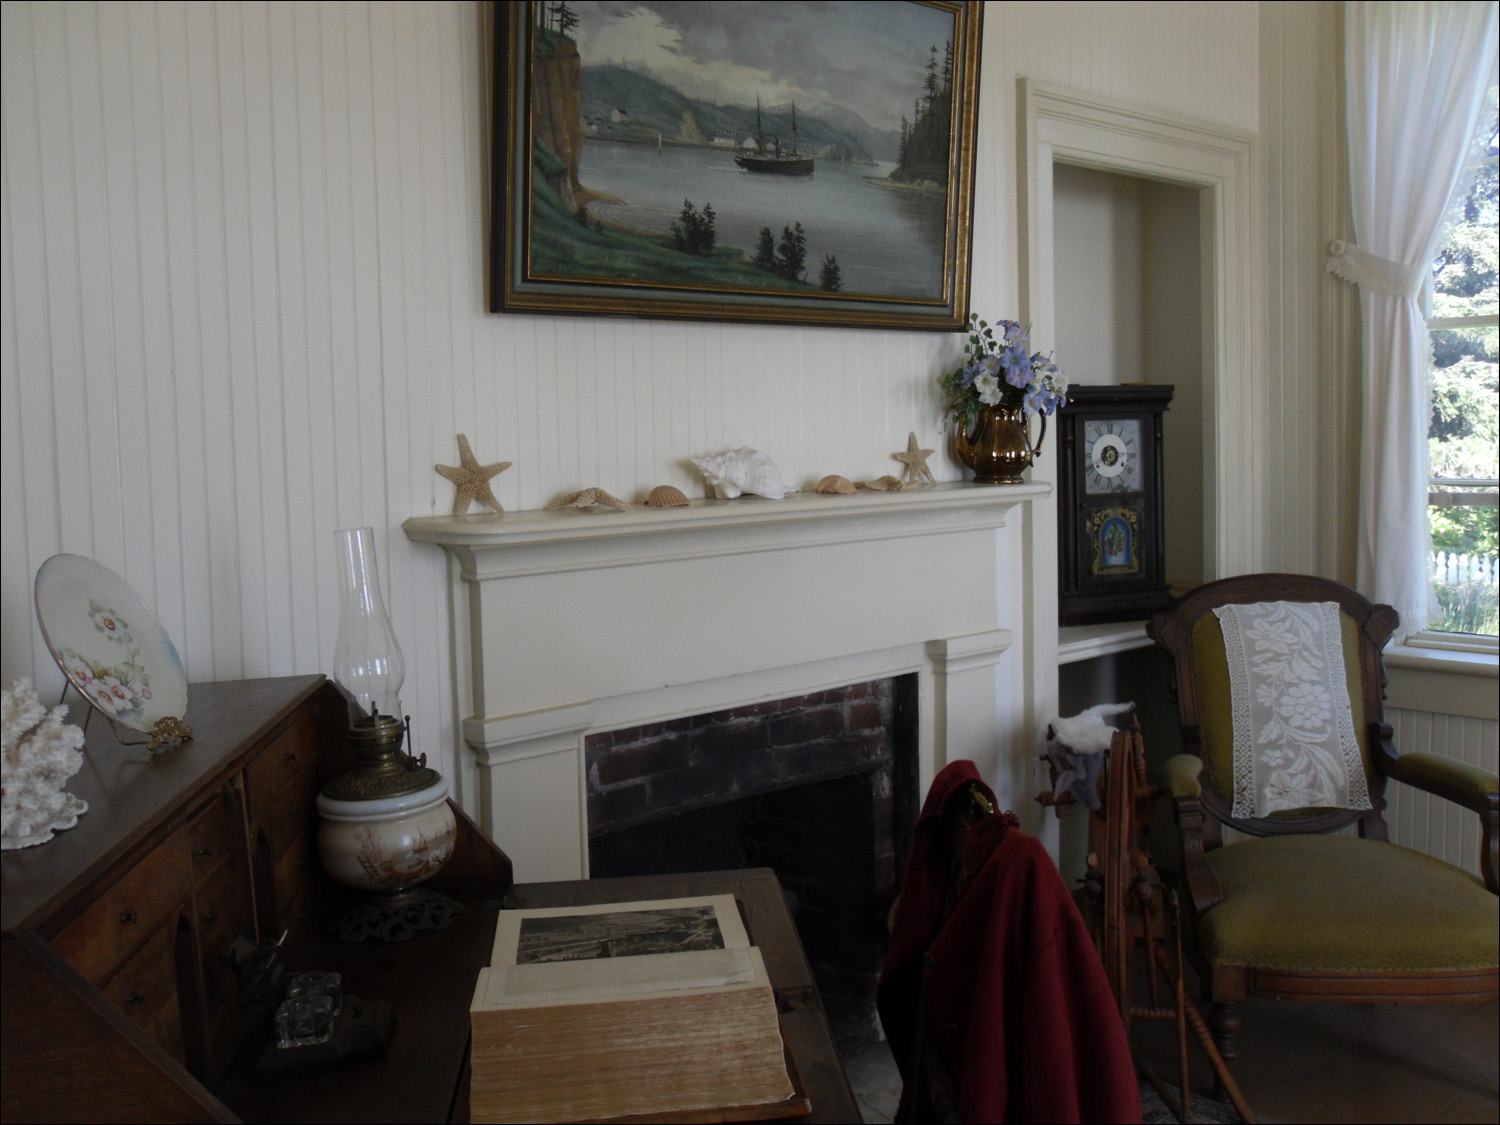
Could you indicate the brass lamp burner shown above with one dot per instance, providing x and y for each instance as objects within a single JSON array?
[{"x": 381, "y": 767}]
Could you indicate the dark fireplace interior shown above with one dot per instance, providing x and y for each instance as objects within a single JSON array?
[{"x": 821, "y": 788}]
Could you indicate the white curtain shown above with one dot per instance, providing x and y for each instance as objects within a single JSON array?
[{"x": 1416, "y": 76}]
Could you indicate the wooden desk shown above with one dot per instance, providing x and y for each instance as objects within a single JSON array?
[
  {"x": 118, "y": 1005},
  {"x": 769, "y": 925}
]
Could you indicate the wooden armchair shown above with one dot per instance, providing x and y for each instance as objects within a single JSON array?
[{"x": 1295, "y": 912}]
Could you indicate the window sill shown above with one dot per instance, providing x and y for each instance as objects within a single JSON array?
[{"x": 1442, "y": 681}]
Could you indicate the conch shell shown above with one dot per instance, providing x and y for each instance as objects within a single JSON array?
[
  {"x": 836, "y": 484},
  {"x": 666, "y": 496},
  {"x": 738, "y": 471}
]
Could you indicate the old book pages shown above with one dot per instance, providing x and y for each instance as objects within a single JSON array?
[{"x": 647, "y": 1009}]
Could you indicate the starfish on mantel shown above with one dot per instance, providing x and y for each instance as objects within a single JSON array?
[
  {"x": 472, "y": 479},
  {"x": 915, "y": 460}
]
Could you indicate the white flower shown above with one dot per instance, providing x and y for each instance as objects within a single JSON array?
[
  {"x": 1306, "y": 705},
  {"x": 989, "y": 389},
  {"x": 77, "y": 669},
  {"x": 110, "y": 695},
  {"x": 105, "y": 620}
]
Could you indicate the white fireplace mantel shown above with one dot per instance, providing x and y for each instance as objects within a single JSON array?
[{"x": 571, "y": 622}]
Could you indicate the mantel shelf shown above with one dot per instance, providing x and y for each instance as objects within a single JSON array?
[
  {"x": 1084, "y": 642},
  {"x": 535, "y": 542}
]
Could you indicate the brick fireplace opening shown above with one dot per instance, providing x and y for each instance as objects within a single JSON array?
[{"x": 822, "y": 788}]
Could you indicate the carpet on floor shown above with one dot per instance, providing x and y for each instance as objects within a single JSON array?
[{"x": 1204, "y": 1108}]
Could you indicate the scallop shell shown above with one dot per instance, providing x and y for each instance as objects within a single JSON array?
[
  {"x": 665, "y": 496},
  {"x": 738, "y": 471},
  {"x": 836, "y": 484},
  {"x": 882, "y": 484}
]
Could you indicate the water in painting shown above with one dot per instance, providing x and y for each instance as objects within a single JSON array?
[{"x": 749, "y": 146}]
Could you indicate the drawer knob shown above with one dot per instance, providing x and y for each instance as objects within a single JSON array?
[
  {"x": 135, "y": 999},
  {"x": 130, "y": 917},
  {"x": 204, "y": 853},
  {"x": 211, "y": 915},
  {"x": 291, "y": 757}
]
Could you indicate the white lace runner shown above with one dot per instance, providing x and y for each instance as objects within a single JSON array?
[{"x": 1294, "y": 745}]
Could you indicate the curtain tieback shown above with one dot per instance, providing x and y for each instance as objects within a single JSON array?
[{"x": 1371, "y": 271}]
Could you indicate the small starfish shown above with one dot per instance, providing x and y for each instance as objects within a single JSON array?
[
  {"x": 472, "y": 479},
  {"x": 915, "y": 460},
  {"x": 588, "y": 498}
]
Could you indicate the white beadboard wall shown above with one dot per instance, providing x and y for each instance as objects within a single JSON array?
[
  {"x": 244, "y": 305},
  {"x": 1431, "y": 824},
  {"x": 1312, "y": 380}
]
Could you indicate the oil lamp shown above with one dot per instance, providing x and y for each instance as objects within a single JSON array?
[{"x": 386, "y": 825}]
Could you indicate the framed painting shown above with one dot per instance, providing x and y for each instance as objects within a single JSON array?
[{"x": 796, "y": 163}]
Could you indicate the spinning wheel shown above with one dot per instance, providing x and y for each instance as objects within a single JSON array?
[{"x": 1135, "y": 920}]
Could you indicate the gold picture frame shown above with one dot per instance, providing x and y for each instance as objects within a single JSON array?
[{"x": 736, "y": 161}]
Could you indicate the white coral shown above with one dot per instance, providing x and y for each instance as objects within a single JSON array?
[{"x": 40, "y": 753}]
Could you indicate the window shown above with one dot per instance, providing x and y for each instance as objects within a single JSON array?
[{"x": 1464, "y": 379}]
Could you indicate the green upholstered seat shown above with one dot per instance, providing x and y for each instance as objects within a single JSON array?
[{"x": 1347, "y": 905}]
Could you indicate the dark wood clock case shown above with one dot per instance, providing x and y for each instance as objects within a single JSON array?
[{"x": 1111, "y": 544}]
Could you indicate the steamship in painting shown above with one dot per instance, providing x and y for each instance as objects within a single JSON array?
[{"x": 772, "y": 159}]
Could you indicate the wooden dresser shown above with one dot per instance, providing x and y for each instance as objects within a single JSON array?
[{"x": 119, "y": 1001}]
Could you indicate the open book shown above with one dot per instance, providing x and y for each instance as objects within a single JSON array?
[{"x": 626, "y": 1010}]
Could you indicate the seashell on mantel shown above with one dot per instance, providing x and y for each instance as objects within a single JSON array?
[
  {"x": 835, "y": 485},
  {"x": 744, "y": 470},
  {"x": 588, "y": 498},
  {"x": 883, "y": 484},
  {"x": 666, "y": 496}
]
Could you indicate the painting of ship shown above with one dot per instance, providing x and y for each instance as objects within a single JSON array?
[{"x": 770, "y": 158}]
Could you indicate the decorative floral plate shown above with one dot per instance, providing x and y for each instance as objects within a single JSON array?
[{"x": 109, "y": 645}]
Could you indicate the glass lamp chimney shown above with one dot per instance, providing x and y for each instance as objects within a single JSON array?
[{"x": 367, "y": 661}]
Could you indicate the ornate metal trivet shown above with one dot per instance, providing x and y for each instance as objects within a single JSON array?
[{"x": 398, "y": 918}]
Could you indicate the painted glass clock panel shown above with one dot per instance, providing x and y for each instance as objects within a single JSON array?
[
  {"x": 1111, "y": 455},
  {"x": 1114, "y": 534}
]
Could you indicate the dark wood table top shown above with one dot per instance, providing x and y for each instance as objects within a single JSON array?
[{"x": 769, "y": 925}]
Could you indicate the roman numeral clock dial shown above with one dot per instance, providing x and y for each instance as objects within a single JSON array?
[
  {"x": 1113, "y": 463},
  {"x": 1109, "y": 516}
]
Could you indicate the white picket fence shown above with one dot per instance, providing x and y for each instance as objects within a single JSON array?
[
  {"x": 1463, "y": 570},
  {"x": 1468, "y": 587}
]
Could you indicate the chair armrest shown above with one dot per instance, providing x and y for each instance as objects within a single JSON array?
[
  {"x": 1459, "y": 782},
  {"x": 1181, "y": 781},
  {"x": 1465, "y": 785},
  {"x": 1180, "y": 776}
]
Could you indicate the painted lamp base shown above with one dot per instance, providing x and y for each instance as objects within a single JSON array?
[{"x": 388, "y": 844}]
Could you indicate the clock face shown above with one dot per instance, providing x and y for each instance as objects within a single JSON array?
[{"x": 1112, "y": 453}]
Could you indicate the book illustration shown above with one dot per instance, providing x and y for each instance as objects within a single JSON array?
[{"x": 622, "y": 933}]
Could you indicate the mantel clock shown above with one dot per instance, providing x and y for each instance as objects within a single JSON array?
[{"x": 1111, "y": 541}]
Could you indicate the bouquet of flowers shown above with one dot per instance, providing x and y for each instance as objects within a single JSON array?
[{"x": 1001, "y": 370}]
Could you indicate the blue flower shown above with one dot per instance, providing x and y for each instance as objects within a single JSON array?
[{"x": 1017, "y": 365}]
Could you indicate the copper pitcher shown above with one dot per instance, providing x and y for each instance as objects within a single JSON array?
[{"x": 1000, "y": 448}]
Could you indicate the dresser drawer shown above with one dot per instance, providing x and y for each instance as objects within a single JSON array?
[
  {"x": 218, "y": 912},
  {"x": 120, "y": 919},
  {"x": 280, "y": 762},
  {"x": 291, "y": 813},
  {"x": 294, "y": 876},
  {"x": 210, "y": 837},
  {"x": 145, "y": 982}
]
